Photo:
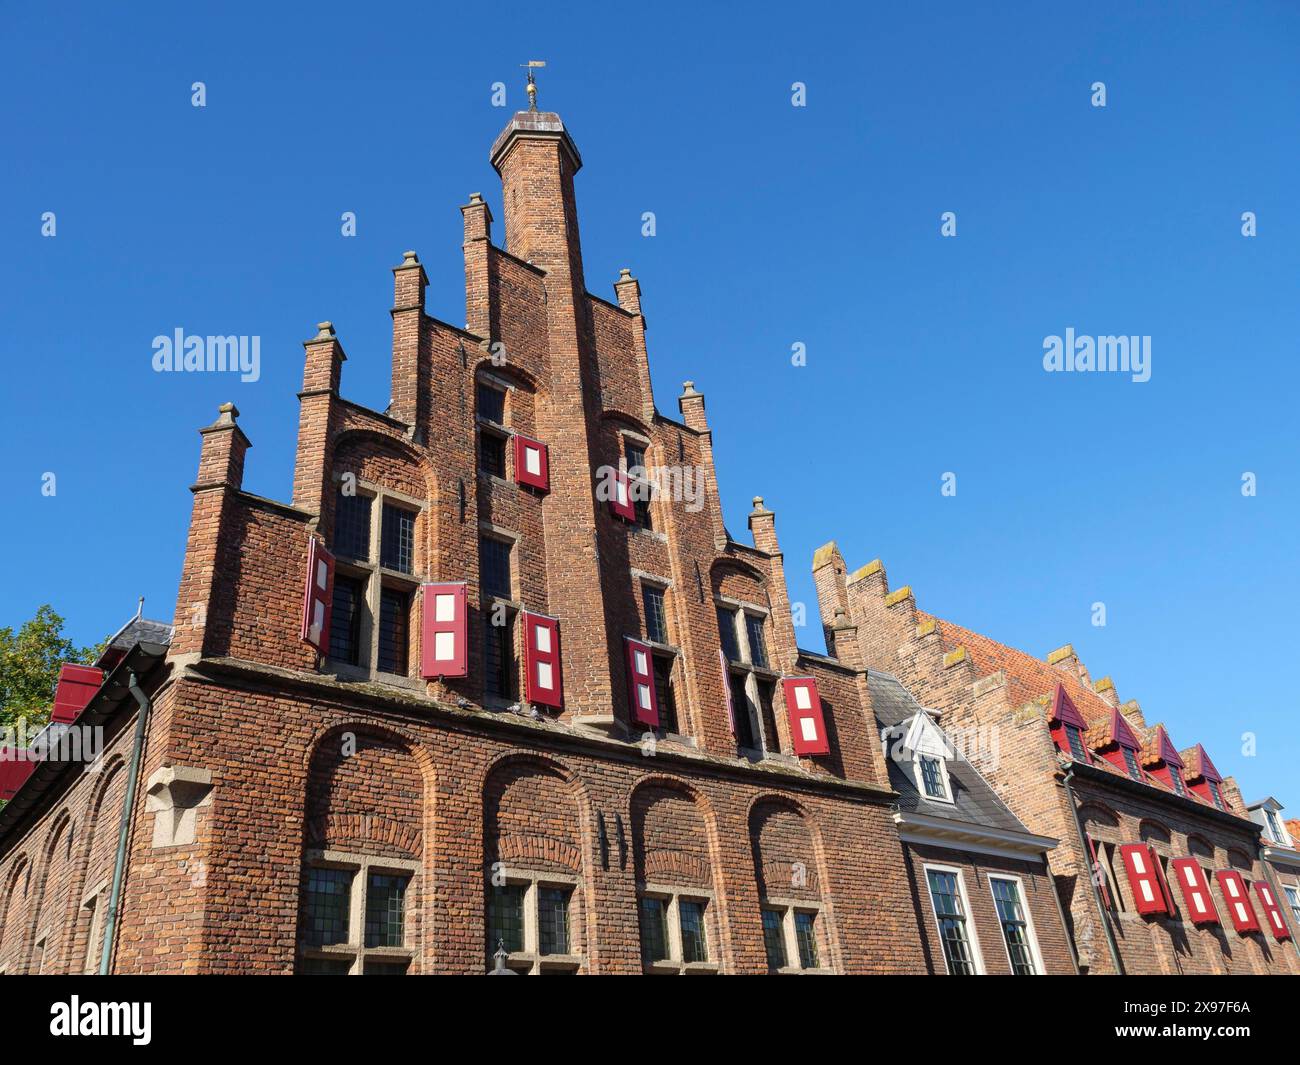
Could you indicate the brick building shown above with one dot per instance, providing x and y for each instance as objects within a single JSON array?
[
  {"x": 475, "y": 684},
  {"x": 1159, "y": 864}
]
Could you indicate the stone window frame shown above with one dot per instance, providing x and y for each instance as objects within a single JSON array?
[
  {"x": 972, "y": 932},
  {"x": 95, "y": 900},
  {"x": 788, "y": 907},
  {"x": 376, "y": 578},
  {"x": 513, "y": 606},
  {"x": 500, "y": 430},
  {"x": 673, "y": 964},
  {"x": 1030, "y": 932},
  {"x": 646, "y": 445},
  {"x": 530, "y": 961},
  {"x": 670, "y": 651},
  {"x": 739, "y": 608},
  {"x": 355, "y": 950}
]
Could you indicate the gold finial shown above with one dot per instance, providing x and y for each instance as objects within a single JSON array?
[{"x": 530, "y": 66}]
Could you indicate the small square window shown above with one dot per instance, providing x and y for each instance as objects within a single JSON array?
[
  {"x": 774, "y": 937},
  {"x": 494, "y": 567},
  {"x": 492, "y": 453},
  {"x": 506, "y": 917},
  {"x": 656, "y": 617},
  {"x": 491, "y": 403},
  {"x": 553, "y": 920},
  {"x": 757, "y": 645},
  {"x": 690, "y": 915},
  {"x": 385, "y": 911},
  {"x": 345, "y": 622},
  {"x": 329, "y": 901},
  {"x": 394, "y": 627},
  {"x": 397, "y": 539},
  {"x": 654, "y": 930},
  {"x": 805, "y": 931},
  {"x": 352, "y": 526}
]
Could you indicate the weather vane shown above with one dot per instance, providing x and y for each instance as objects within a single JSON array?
[{"x": 530, "y": 66}]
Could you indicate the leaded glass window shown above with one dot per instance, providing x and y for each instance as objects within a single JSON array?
[
  {"x": 492, "y": 453},
  {"x": 498, "y": 656},
  {"x": 757, "y": 645},
  {"x": 352, "y": 526},
  {"x": 654, "y": 930},
  {"x": 932, "y": 777},
  {"x": 397, "y": 539},
  {"x": 1075, "y": 737},
  {"x": 385, "y": 910},
  {"x": 506, "y": 917},
  {"x": 805, "y": 932},
  {"x": 690, "y": 915},
  {"x": 656, "y": 617},
  {"x": 394, "y": 625},
  {"x": 329, "y": 900},
  {"x": 491, "y": 403},
  {"x": 727, "y": 634},
  {"x": 553, "y": 920},
  {"x": 1216, "y": 794},
  {"x": 1131, "y": 762},
  {"x": 345, "y": 621},
  {"x": 774, "y": 937},
  {"x": 1176, "y": 779},
  {"x": 950, "y": 912},
  {"x": 1015, "y": 929},
  {"x": 494, "y": 567}
]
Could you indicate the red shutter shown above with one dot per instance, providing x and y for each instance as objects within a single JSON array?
[
  {"x": 804, "y": 708},
  {"x": 620, "y": 503},
  {"x": 1272, "y": 915},
  {"x": 726, "y": 687},
  {"x": 542, "y": 659},
  {"x": 1164, "y": 882},
  {"x": 318, "y": 601},
  {"x": 1195, "y": 889},
  {"x": 443, "y": 629},
  {"x": 641, "y": 683},
  {"x": 77, "y": 686},
  {"x": 1143, "y": 878},
  {"x": 13, "y": 774},
  {"x": 532, "y": 463},
  {"x": 1099, "y": 877},
  {"x": 1238, "y": 900}
]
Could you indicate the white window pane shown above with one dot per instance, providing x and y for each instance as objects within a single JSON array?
[
  {"x": 1139, "y": 866},
  {"x": 542, "y": 639},
  {"x": 444, "y": 607},
  {"x": 641, "y": 664},
  {"x": 544, "y": 674},
  {"x": 801, "y": 698},
  {"x": 809, "y": 729},
  {"x": 532, "y": 460},
  {"x": 643, "y": 695},
  {"x": 322, "y": 575},
  {"x": 444, "y": 646}
]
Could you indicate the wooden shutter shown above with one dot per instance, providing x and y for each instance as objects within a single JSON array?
[
  {"x": 1196, "y": 890},
  {"x": 77, "y": 686},
  {"x": 1272, "y": 914},
  {"x": 1240, "y": 910},
  {"x": 620, "y": 502},
  {"x": 542, "y": 660},
  {"x": 318, "y": 600},
  {"x": 532, "y": 463},
  {"x": 641, "y": 683},
  {"x": 1148, "y": 895},
  {"x": 803, "y": 707},
  {"x": 443, "y": 630}
]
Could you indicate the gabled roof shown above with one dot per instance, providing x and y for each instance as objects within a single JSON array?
[
  {"x": 1064, "y": 710},
  {"x": 1196, "y": 763},
  {"x": 1115, "y": 730},
  {"x": 974, "y": 801},
  {"x": 1160, "y": 748}
]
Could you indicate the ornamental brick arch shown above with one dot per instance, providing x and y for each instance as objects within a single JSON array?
[
  {"x": 787, "y": 853},
  {"x": 14, "y": 913},
  {"x": 733, "y": 578},
  {"x": 673, "y": 839},
  {"x": 50, "y": 924},
  {"x": 92, "y": 865}
]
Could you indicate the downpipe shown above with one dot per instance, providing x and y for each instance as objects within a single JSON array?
[{"x": 124, "y": 832}]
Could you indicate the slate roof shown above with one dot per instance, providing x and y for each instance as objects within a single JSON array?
[
  {"x": 974, "y": 802},
  {"x": 137, "y": 630}
]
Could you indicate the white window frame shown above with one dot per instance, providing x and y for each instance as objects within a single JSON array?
[
  {"x": 530, "y": 961},
  {"x": 1276, "y": 829},
  {"x": 355, "y": 950},
  {"x": 673, "y": 964},
  {"x": 789, "y": 907},
  {"x": 944, "y": 782},
  {"x": 1035, "y": 953},
  {"x": 1292, "y": 895},
  {"x": 977, "y": 953}
]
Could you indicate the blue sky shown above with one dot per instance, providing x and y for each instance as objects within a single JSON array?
[{"x": 775, "y": 225}]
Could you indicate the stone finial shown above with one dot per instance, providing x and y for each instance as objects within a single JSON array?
[
  {"x": 475, "y": 198},
  {"x": 758, "y": 503},
  {"x": 227, "y": 414},
  {"x": 688, "y": 388},
  {"x": 409, "y": 258},
  {"x": 324, "y": 331},
  {"x": 624, "y": 275}
]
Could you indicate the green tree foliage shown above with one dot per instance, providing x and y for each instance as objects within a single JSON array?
[{"x": 29, "y": 667}]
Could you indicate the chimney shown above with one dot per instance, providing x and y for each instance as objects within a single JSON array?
[
  {"x": 477, "y": 217},
  {"x": 221, "y": 458},
  {"x": 409, "y": 402},
  {"x": 322, "y": 371}
]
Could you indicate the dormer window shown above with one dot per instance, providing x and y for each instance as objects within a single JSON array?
[
  {"x": 1274, "y": 826},
  {"x": 1075, "y": 736},
  {"x": 1216, "y": 794},
  {"x": 932, "y": 777},
  {"x": 1131, "y": 762},
  {"x": 1176, "y": 780}
]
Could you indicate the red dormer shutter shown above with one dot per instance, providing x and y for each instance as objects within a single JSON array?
[
  {"x": 1195, "y": 889},
  {"x": 532, "y": 463},
  {"x": 641, "y": 683},
  {"x": 77, "y": 686},
  {"x": 1143, "y": 878},
  {"x": 620, "y": 503},
  {"x": 726, "y": 687},
  {"x": 542, "y": 660},
  {"x": 803, "y": 706},
  {"x": 13, "y": 773},
  {"x": 318, "y": 600},
  {"x": 443, "y": 630},
  {"x": 1240, "y": 910},
  {"x": 1272, "y": 914}
]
